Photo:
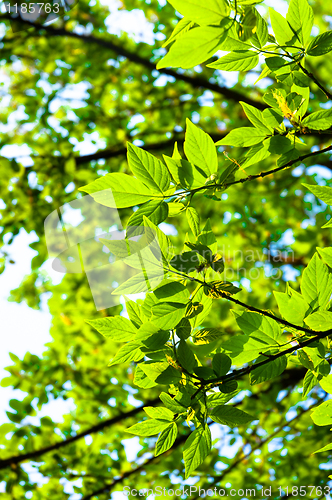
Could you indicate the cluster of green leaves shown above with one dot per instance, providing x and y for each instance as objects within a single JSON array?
[
  {"x": 164, "y": 331},
  {"x": 180, "y": 339},
  {"x": 239, "y": 29}
]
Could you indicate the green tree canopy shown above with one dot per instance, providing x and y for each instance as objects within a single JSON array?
[{"x": 210, "y": 133}]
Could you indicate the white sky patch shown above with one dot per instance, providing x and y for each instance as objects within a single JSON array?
[
  {"x": 132, "y": 22},
  {"x": 22, "y": 328}
]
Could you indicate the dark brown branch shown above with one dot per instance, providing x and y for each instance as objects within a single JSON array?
[
  {"x": 91, "y": 430},
  {"x": 264, "y": 174},
  {"x": 196, "y": 82},
  {"x": 120, "y": 150},
  {"x": 237, "y": 374},
  {"x": 314, "y": 79}
]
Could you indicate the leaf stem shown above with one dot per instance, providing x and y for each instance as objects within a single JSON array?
[{"x": 262, "y": 174}]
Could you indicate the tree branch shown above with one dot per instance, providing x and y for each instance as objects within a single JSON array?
[
  {"x": 96, "y": 428},
  {"x": 314, "y": 79},
  {"x": 262, "y": 174},
  {"x": 236, "y": 374},
  {"x": 196, "y": 82}
]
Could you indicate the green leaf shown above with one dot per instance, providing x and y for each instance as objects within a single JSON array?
[
  {"x": 252, "y": 323},
  {"x": 292, "y": 307},
  {"x": 183, "y": 329},
  {"x": 209, "y": 12},
  {"x": 301, "y": 87},
  {"x": 243, "y": 137},
  {"x": 240, "y": 60},
  {"x": 309, "y": 382},
  {"x": 115, "y": 328},
  {"x": 186, "y": 262},
  {"x": 221, "y": 364},
  {"x": 324, "y": 193},
  {"x": 283, "y": 32},
  {"x": 316, "y": 283},
  {"x": 200, "y": 149},
  {"x": 140, "y": 282},
  {"x": 215, "y": 289},
  {"x": 249, "y": 2},
  {"x": 134, "y": 313},
  {"x": 161, "y": 372},
  {"x": 320, "y": 321},
  {"x": 320, "y": 45},
  {"x": 278, "y": 65},
  {"x": 218, "y": 398},
  {"x": 159, "y": 413},
  {"x": 129, "y": 251},
  {"x": 326, "y": 383},
  {"x": 146, "y": 306},
  {"x": 245, "y": 348},
  {"x": 141, "y": 379},
  {"x": 229, "y": 44},
  {"x": 322, "y": 415},
  {"x": 272, "y": 369},
  {"x": 175, "y": 208},
  {"x": 182, "y": 27},
  {"x": 185, "y": 356},
  {"x": 128, "y": 352},
  {"x": 230, "y": 416},
  {"x": 205, "y": 372},
  {"x": 172, "y": 404},
  {"x": 300, "y": 17},
  {"x": 328, "y": 224},
  {"x": 273, "y": 117},
  {"x": 206, "y": 336},
  {"x": 280, "y": 144},
  {"x": 218, "y": 264},
  {"x": 328, "y": 447},
  {"x": 119, "y": 190},
  {"x": 193, "y": 220},
  {"x": 202, "y": 250},
  {"x": 154, "y": 234},
  {"x": 261, "y": 29},
  {"x": 148, "y": 427},
  {"x": 257, "y": 153},
  {"x": 320, "y": 120},
  {"x": 310, "y": 357},
  {"x": 206, "y": 305},
  {"x": 291, "y": 155},
  {"x": 185, "y": 173},
  {"x": 166, "y": 439},
  {"x": 207, "y": 237},
  {"x": 196, "y": 449},
  {"x": 150, "y": 337},
  {"x": 148, "y": 169},
  {"x": 155, "y": 210},
  {"x": 264, "y": 73},
  {"x": 167, "y": 315},
  {"x": 326, "y": 255},
  {"x": 256, "y": 117},
  {"x": 172, "y": 291},
  {"x": 192, "y": 48}
]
